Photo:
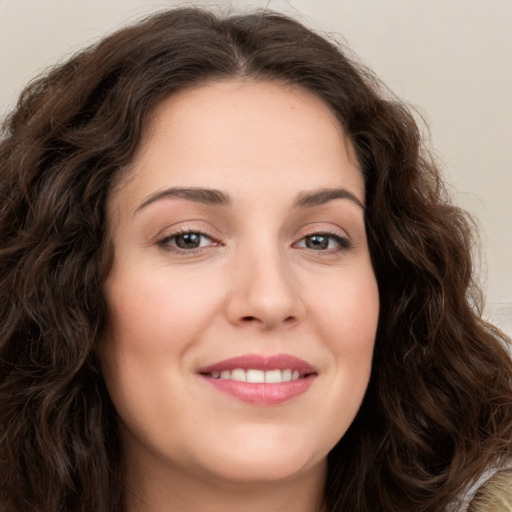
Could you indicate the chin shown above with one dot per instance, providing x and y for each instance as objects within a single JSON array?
[
  {"x": 270, "y": 471},
  {"x": 265, "y": 459}
]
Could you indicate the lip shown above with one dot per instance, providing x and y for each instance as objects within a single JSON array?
[
  {"x": 264, "y": 394},
  {"x": 259, "y": 362}
]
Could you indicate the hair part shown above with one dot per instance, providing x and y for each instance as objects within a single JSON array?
[{"x": 438, "y": 409}]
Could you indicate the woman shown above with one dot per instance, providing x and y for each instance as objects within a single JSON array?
[{"x": 230, "y": 279}]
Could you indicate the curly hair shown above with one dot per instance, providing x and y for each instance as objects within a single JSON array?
[{"x": 438, "y": 409}]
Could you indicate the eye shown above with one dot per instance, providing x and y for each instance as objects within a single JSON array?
[
  {"x": 324, "y": 242},
  {"x": 186, "y": 241}
]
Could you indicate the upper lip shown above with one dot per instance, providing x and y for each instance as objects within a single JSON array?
[{"x": 260, "y": 362}]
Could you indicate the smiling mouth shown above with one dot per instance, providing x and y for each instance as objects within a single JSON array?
[
  {"x": 255, "y": 376},
  {"x": 261, "y": 380}
]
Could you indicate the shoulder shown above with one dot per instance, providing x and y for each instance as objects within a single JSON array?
[
  {"x": 492, "y": 492},
  {"x": 495, "y": 495}
]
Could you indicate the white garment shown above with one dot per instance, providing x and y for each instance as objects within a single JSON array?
[{"x": 471, "y": 490}]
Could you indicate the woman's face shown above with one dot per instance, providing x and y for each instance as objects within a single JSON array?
[{"x": 242, "y": 300}]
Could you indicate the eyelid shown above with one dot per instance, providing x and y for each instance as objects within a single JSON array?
[
  {"x": 343, "y": 243},
  {"x": 339, "y": 235},
  {"x": 190, "y": 225},
  {"x": 342, "y": 239},
  {"x": 170, "y": 234}
]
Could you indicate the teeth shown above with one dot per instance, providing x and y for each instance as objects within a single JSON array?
[
  {"x": 257, "y": 376},
  {"x": 239, "y": 375},
  {"x": 274, "y": 376}
]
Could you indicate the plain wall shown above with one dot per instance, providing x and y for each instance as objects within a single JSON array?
[{"x": 452, "y": 59}]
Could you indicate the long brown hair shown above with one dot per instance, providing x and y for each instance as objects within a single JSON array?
[{"x": 438, "y": 409}]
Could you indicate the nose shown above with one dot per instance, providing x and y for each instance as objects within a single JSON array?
[{"x": 264, "y": 292}]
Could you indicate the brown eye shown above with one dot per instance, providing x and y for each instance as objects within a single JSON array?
[
  {"x": 317, "y": 242},
  {"x": 324, "y": 242},
  {"x": 186, "y": 241}
]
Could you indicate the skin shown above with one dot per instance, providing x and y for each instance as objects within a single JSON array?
[{"x": 255, "y": 285}]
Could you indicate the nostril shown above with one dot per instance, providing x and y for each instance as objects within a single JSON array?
[{"x": 249, "y": 318}]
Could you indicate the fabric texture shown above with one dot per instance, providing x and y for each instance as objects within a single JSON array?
[{"x": 463, "y": 504}]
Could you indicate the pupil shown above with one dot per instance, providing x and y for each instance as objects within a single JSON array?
[
  {"x": 317, "y": 242},
  {"x": 188, "y": 241}
]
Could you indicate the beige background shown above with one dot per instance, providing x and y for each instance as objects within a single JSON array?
[{"x": 450, "y": 58}]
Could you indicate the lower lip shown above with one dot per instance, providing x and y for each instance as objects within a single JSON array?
[{"x": 263, "y": 393}]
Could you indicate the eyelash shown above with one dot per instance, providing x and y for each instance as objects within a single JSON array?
[
  {"x": 343, "y": 243},
  {"x": 166, "y": 243}
]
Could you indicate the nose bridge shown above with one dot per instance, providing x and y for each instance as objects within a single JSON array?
[{"x": 265, "y": 290}]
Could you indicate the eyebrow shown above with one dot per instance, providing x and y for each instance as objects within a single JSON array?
[
  {"x": 324, "y": 195},
  {"x": 196, "y": 194},
  {"x": 219, "y": 198}
]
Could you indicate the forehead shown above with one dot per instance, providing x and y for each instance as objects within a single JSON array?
[{"x": 244, "y": 135}]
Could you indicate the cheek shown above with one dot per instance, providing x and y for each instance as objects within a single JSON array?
[
  {"x": 357, "y": 328},
  {"x": 150, "y": 309},
  {"x": 347, "y": 310},
  {"x": 152, "y": 324},
  {"x": 347, "y": 315}
]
